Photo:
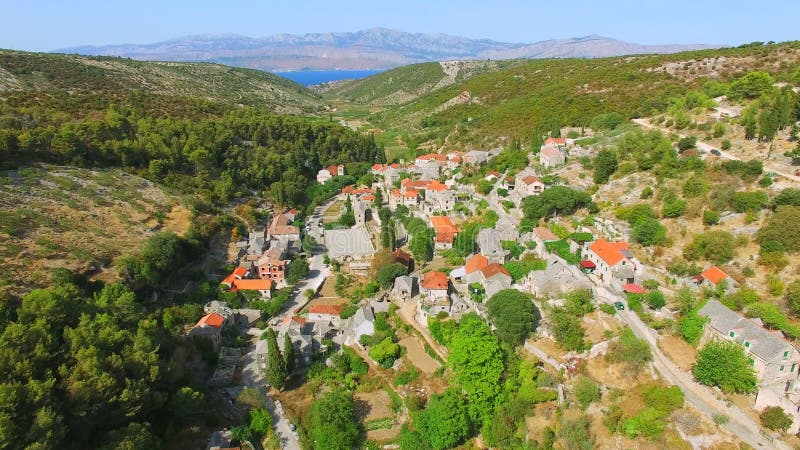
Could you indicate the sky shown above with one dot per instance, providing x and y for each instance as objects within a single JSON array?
[{"x": 43, "y": 25}]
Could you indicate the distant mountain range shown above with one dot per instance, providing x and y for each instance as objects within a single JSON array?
[{"x": 376, "y": 48}]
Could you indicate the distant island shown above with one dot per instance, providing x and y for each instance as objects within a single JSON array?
[{"x": 372, "y": 49}]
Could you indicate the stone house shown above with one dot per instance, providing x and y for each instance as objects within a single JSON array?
[
  {"x": 614, "y": 264},
  {"x": 775, "y": 360}
]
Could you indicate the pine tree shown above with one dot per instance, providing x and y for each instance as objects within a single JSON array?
[
  {"x": 288, "y": 354},
  {"x": 276, "y": 368}
]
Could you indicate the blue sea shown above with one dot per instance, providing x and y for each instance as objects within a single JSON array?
[{"x": 312, "y": 77}]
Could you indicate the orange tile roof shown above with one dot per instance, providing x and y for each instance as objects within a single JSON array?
[
  {"x": 550, "y": 151},
  {"x": 714, "y": 274},
  {"x": 530, "y": 179},
  {"x": 433, "y": 157},
  {"x": 493, "y": 269},
  {"x": 369, "y": 197},
  {"x": 348, "y": 190},
  {"x": 211, "y": 320},
  {"x": 445, "y": 237},
  {"x": 298, "y": 319},
  {"x": 476, "y": 262},
  {"x": 239, "y": 272},
  {"x": 443, "y": 224},
  {"x": 252, "y": 285},
  {"x": 610, "y": 252},
  {"x": 410, "y": 192},
  {"x": 378, "y": 167},
  {"x": 436, "y": 186},
  {"x": 559, "y": 141},
  {"x": 434, "y": 280},
  {"x": 333, "y": 310}
]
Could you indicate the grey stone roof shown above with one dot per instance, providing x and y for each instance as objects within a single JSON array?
[
  {"x": 765, "y": 345},
  {"x": 364, "y": 314},
  {"x": 403, "y": 282},
  {"x": 353, "y": 243},
  {"x": 489, "y": 242}
]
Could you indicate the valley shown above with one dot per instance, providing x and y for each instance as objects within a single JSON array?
[{"x": 558, "y": 253}]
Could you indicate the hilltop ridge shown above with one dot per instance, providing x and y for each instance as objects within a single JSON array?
[{"x": 374, "y": 48}]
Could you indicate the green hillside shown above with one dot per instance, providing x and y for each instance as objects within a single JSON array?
[
  {"x": 406, "y": 83},
  {"x": 513, "y": 100},
  {"x": 42, "y": 72}
]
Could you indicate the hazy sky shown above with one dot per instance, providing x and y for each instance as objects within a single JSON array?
[{"x": 46, "y": 25}]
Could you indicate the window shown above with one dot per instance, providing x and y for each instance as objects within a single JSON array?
[
  {"x": 794, "y": 366},
  {"x": 733, "y": 334},
  {"x": 786, "y": 354},
  {"x": 746, "y": 344},
  {"x": 781, "y": 368},
  {"x": 752, "y": 362}
]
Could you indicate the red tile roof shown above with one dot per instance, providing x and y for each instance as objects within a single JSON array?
[
  {"x": 298, "y": 319},
  {"x": 434, "y": 281},
  {"x": 558, "y": 141},
  {"x": 252, "y": 285},
  {"x": 714, "y": 274},
  {"x": 446, "y": 238},
  {"x": 610, "y": 252},
  {"x": 586, "y": 264},
  {"x": 550, "y": 151},
  {"x": 402, "y": 257},
  {"x": 333, "y": 310},
  {"x": 493, "y": 269},
  {"x": 432, "y": 157},
  {"x": 443, "y": 224},
  {"x": 633, "y": 288},
  {"x": 476, "y": 262},
  {"x": 213, "y": 320},
  {"x": 239, "y": 272},
  {"x": 530, "y": 179}
]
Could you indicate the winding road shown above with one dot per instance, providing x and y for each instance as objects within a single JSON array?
[{"x": 701, "y": 397}]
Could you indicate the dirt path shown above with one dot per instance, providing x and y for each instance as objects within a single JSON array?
[
  {"x": 407, "y": 312},
  {"x": 708, "y": 147},
  {"x": 416, "y": 354}
]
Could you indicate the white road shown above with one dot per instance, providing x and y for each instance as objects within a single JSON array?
[
  {"x": 699, "y": 396},
  {"x": 252, "y": 375}
]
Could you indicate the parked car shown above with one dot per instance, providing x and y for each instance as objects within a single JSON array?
[
  {"x": 619, "y": 306},
  {"x": 715, "y": 152}
]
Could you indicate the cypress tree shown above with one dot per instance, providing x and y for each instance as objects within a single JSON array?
[
  {"x": 288, "y": 354},
  {"x": 276, "y": 368}
]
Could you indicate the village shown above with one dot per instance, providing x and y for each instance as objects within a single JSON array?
[{"x": 411, "y": 216}]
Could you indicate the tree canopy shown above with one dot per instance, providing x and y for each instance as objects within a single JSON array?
[
  {"x": 333, "y": 422},
  {"x": 477, "y": 362},
  {"x": 556, "y": 200},
  {"x": 514, "y": 315},
  {"x": 444, "y": 423},
  {"x": 724, "y": 364}
]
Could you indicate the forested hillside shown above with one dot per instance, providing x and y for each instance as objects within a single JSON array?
[
  {"x": 527, "y": 96},
  {"x": 96, "y": 360},
  {"x": 111, "y": 77},
  {"x": 199, "y": 146}
]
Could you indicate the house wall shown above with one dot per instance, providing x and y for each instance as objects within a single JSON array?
[{"x": 435, "y": 294}]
